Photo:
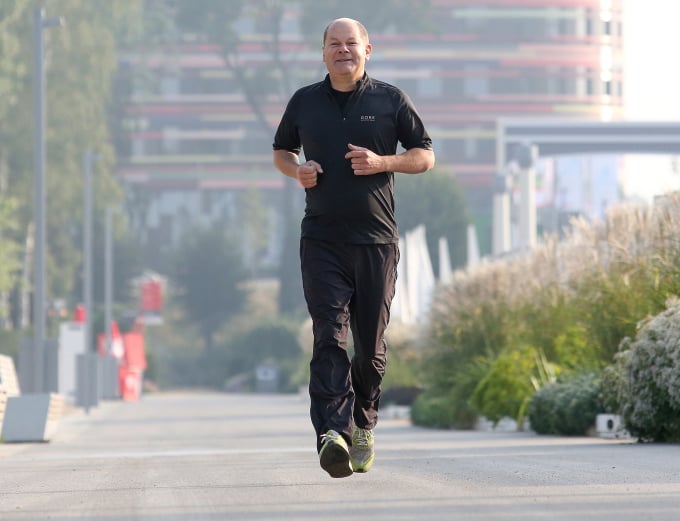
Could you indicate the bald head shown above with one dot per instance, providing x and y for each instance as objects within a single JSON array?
[{"x": 362, "y": 30}]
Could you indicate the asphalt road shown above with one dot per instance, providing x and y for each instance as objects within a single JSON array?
[{"x": 198, "y": 456}]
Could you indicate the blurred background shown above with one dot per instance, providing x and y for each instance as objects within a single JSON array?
[{"x": 167, "y": 108}]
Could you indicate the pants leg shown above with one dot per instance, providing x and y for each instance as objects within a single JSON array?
[
  {"x": 328, "y": 289},
  {"x": 347, "y": 284},
  {"x": 375, "y": 281}
]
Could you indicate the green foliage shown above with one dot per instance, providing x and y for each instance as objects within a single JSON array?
[
  {"x": 574, "y": 350},
  {"x": 80, "y": 62},
  {"x": 401, "y": 384},
  {"x": 128, "y": 264},
  {"x": 271, "y": 341},
  {"x": 612, "y": 304},
  {"x": 567, "y": 407},
  {"x": 614, "y": 381},
  {"x": 573, "y": 300},
  {"x": 436, "y": 201},
  {"x": 231, "y": 363},
  {"x": 446, "y": 404},
  {"x": 646, "y": 376},
  {"x": 434, "y": 411},
  {"x": 256, "y": 222},
  {"x": 510, "y": 382},
  {"x": 291, "y": 297},
  {"x": 402, "y": 367},
  {"x": 9, "y": 249},
  {"x": 9, "y": 343},
  {"x": 207, "y": 277},
  {"x": 12, "y": 68}
]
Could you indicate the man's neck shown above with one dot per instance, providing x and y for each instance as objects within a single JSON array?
[{"x": 344, "y": 84}]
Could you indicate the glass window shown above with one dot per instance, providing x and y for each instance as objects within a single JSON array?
[
  {"x": 476, "y": 82},
  {"x": 431, "y": 86}
]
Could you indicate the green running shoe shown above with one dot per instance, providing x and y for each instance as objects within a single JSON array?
[
  {"x": 334, "y": 455},
  {"x": 361, "y": 452}
]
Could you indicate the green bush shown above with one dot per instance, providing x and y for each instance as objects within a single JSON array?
[
  {"x": 568, "y": 407},
  {"x": 509, "y": 384},
  {"x": 434, "y": 411},
  {"x": 271, "y": 341},
  {"x": 9, "y": 343},
  {"x": 447, "y": 404},
  {"x": 647, "y": 372},
  {"x": 574, "y": 300}
]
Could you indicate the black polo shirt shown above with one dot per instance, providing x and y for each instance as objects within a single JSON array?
[{"x": 344, "y": 207}]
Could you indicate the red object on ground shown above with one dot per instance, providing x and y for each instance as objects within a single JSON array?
[
  {"x": 79, "y": 314},
  {"x": 132, "y": 367},
  {"x": 116, "y": 349},
  {"x": 129, "y": 383}
]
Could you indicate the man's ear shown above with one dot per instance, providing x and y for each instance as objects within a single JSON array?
[{"x": 369, "y": 48}]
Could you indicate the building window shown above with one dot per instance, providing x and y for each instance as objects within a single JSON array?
[
  {"x": 170, "y": 86},
  {"x": 430, "y": 86},
  {"x": 476, "y": 82}
]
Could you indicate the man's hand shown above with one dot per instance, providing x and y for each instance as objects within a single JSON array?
[
  {"x": 364, "y": 161},
  {"x": 307, "y": 173}
]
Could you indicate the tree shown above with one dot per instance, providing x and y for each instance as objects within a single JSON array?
[
  {"x": 80, "y": 60},
  {"x": 11, "y": 67},
  {"x": 9, "y": 252},
  {"x": 435, "y": 200},
  {"x": 127, "y": 265},
  {"x": 207, "y": 277},
  {"x": 255, "y": 225}
]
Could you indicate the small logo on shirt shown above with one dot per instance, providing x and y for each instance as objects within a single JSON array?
[{"x": 368, "y": 118}]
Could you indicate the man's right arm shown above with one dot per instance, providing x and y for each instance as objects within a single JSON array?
[{"x": 289, "y": 164}]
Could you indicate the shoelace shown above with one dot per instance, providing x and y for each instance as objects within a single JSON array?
[
  {"x": 363, "y": 438},
  {"x": 327, "y": 436}
]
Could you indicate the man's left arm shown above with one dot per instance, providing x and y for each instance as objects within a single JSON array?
[{"x": 412, "y": 161}]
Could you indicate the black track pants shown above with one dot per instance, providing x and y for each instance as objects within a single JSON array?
[{"x": 347, "y": 286}]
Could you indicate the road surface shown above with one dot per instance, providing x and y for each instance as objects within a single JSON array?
[{"x": 202, "y": 456}]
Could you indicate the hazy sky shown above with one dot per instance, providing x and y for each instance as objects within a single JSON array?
[
  {"x": 652, "y": 84},
  {"x": 652, "y": 79}
]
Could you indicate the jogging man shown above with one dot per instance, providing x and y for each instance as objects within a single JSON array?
[{"x": 349, "y": 127}]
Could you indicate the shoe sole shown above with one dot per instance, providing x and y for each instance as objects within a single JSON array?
[
  {"x": 362, "y": 469},
  {"x": 334, "y": 459}
]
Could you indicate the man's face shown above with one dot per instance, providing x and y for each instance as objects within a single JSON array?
[{"x": 345, "y": 51}]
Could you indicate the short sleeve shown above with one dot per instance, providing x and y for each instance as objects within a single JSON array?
[
  {"x": 411, "y": 130},
  {"x": 287, "y": 136}
]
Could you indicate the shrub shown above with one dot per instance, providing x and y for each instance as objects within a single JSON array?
[
  {"x": 447, "y": 404},
  {"x": 507, "y": 385},
  {"x": 270, "y": 341},
  {"x": 574, "y": 299},
  {"x": 433, "y": 411},
  {"x": 9, "y": 343},
  {"x": 649, "y": 378},
  {"x": 566, "y": 407}
]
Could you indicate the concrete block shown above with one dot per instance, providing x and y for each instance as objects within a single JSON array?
[
  {"x": 32, "y": 417},
  {"x": 610, "y": 426}
]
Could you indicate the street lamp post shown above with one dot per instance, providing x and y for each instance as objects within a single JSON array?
[
  {"x": 108, "y": 281},
  {"x": 88, "y": 159},
  {"x": 40, "y": 203}
]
